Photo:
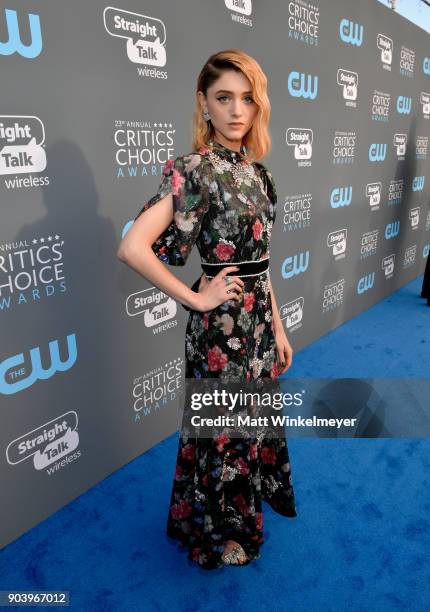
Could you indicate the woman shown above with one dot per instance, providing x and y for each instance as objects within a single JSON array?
[
  {"x": 221, "y": 199},
  {"x": 425, "y": 289}
]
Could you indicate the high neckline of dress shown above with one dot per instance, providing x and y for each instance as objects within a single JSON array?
[{"x": 226, "y": 153}]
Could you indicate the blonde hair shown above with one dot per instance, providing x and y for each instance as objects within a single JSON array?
[{"x": 257, "y": 141}]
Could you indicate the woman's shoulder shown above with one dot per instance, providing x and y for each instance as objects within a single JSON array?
[
  {"x": 264, "y": 169},
  {"x": 268, "y": 181},
  {"x": 191, "y": 160},
  {"x": 195, "y": 164}
]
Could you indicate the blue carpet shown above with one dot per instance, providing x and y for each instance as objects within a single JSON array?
[{"x": 361, "y": 540}]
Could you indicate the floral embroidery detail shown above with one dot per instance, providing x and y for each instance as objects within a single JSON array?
[
  {"x": 216, "y": 359},
  {"x": 224, "y": 250},
  {"x": 257, "y": 228},
  {"x": 234, "y": 343}
]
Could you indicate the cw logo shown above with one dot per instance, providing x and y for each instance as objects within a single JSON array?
[
  {"x": 404, "y": 105},
  {"x": 392, "y": 229},
  {"x": 426, "y": 250},
  {"x": 418, "y": 183},
  {"x": 377, "y": 151},
  {"x": 37, "y": 371},
  {"x": 301, "y": 85},
  {"x": 365, "y": 283},
  {"x": 350, "y": 32},
  {"x": 14, "y": 44},
  {"x": 341, "y": 196},
  {"x": 426, "y": 65},
  {"x": 292, "y": 266}
]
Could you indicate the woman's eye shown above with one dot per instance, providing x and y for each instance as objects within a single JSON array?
[{"x": 225, "y": 98}]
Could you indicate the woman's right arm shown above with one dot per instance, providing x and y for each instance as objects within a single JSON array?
[{"x": 136, "y": 251}]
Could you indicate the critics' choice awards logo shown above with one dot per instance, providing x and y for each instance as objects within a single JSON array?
[
  {"x": 336, "y": 241},
  {"x": 426, "y": 66},
  {"x": 344, "y": 147},
  {"x": 388, "y": 266},
  {"x": 156, "y": 307},
  {"x": 380, "y": 106},
  {"x": 421, "y": 147},
  {"x": 332, "y": 296},
  {"x": 142, "y": 147},
  {"x": 373, "y": 192},
  {"x": 385, "y": 46},
  {"x": 22, "y": 371},
  {"x": 300, "y": 140},
  {"x": 145, "y": 36},
  {"x": 156, "y": 388},
  {"x": 302, "y": 85},
  {"x": 297, "y": 212},
  {"x": 414, "y": 217},
  {"x": 31, "y": 271},
  {"x": 426, "y": 250},
  {"x": 365, "y": 283},
  {"x": 410, "y": 256},
  {"x": 351, "y": 33},
  {"x": 240, "y": 11},
  {"x": 369, "y": 243},
  {"x": 400, "y": 142},
  {"x": 407, "y": 62},
  {"x": 22, "y": 151},
  {"x": 295, "y": 265},
  {"x": 49, "y": 446},
  {"x": 303, "y": 22},
  {"x": 341, "y": 196},
  {"x": 348, "y": 81},
  {"x": 292, "y": 314},
  {"x": 395, "y": 192},
  {"x": 32, "y": 35}
]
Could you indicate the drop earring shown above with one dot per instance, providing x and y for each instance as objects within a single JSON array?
[{"x": 206, "y": 116}]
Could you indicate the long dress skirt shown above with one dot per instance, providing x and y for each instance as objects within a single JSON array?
[
  {"x": 425, "y": 291},
  {"x": 219, "y": 484}
]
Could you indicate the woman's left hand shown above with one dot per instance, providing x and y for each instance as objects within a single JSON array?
[{"x": 284, "y": 350}]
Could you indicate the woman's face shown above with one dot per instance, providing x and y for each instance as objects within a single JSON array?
[{"x": 229, "y": 100}]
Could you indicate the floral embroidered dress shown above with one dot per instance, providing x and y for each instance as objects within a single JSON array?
[{"x": 226, "y": 205}]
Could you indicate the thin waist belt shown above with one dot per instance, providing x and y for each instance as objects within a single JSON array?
[{"x": 246, "y": 268}]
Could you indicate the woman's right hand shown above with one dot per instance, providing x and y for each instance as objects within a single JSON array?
[{"x": 216, "y": 291}]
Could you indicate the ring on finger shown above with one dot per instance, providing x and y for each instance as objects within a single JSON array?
[{"x": 227, "y": 280}]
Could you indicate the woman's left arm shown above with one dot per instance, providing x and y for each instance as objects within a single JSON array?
[{"x": 283, "y": 347}]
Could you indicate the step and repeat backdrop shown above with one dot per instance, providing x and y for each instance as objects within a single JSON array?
[{"x": 94, "y": 100}]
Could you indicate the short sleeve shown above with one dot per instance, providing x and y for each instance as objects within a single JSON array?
[{"x": 184, "y": 178}]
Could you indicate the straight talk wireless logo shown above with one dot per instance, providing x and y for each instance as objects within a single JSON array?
[
  {"x": 158, "y": 309},
  {"x": 49, "y": 447},
  {"x": 22, "y": 140},
  {"x": 240, "y": 11},
  {"x": 145, "y": 39}
]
